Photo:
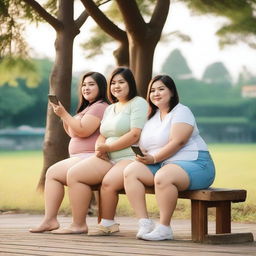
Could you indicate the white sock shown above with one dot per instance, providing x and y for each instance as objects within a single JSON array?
[
  {"x": 107, "y": 223},
  {"x": 144, "y": 220}
]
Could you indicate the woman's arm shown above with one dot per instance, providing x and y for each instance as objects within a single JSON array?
[
  {"x": 179, "y": 136},
  {"x": 81, "y": 128},
  {"x": 65, "y": 126},
  {"x": 124, "y": 141}
]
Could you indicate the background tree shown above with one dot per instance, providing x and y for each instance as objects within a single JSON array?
[
  {"x": 217, "y": 74},
  {"x": 142, "y": 36},
  {"x": 176, "y": 66},
  {"x": 59, "y": 14},
  {"x": 246, "y": 77},
  {"x": 241, "y": 19}
]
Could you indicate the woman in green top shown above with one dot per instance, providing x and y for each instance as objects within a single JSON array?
[{"x": 120, "y": 128}]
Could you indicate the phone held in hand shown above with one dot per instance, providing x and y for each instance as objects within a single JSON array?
[
  {"x": 53, "y": 99},
  {"x": 136, "y": 149}
]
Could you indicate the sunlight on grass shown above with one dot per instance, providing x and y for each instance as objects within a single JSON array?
[
  {"x": 235, "y": 168},
  {"x": 20, "y": 172}
]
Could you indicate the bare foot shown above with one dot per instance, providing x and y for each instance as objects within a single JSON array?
[
  {"x": 45, "y": 226},
  {"x": 72, "y": 229}
]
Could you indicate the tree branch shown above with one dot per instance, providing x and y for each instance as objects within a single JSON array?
[
  {"x": 55, "y": 23},
  {"x": 136, "y": 26},
  {"x": 101, "y": 19},
  {"x": 160, "y": 14},
  {"x": 81, "y": 19}
]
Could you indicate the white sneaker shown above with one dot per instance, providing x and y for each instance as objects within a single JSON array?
[
  {"x": 158, "y": 234},
  {"x": 145, "y": 227}
]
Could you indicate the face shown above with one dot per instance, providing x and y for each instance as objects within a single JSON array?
[
  {"x": 119, "y": 88},
  {"x": 90, "y": 89},
  {"x": 160, "y": 94}
]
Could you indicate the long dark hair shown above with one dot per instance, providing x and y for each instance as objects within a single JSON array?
[
  {"x": 102, "y": 85},
  {"x": 127, "y": 74},
  {"x": 169, "y": 83}
]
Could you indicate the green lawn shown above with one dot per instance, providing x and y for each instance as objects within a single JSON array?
[{"x": 235, "y": 168}]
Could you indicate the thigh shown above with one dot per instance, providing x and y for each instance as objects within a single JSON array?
[
  {"x": 173, "y": 174},
  {"x": 58, "y": 171},
  {"x": 141, "y": 172},
  {"x": 201, "y": 173},
  {"x": 115, "y": 176},
  {"x": 89, "y": 171}
]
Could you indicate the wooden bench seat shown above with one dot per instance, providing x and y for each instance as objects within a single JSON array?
[{"x": 201, "y": 200}]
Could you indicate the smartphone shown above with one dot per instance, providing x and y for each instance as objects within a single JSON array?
[
  {"x": 53, "y": 99},
  {"x": 137, "y": 150}
]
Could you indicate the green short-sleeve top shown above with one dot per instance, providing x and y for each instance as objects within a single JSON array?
[{"x": 116, "y": 124}]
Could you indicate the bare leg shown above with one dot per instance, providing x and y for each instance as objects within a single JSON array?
[
  {"x": 111, "y": 184},
  {"x": 168, "y": 181},
  {"x": 136, "y": 177},
  {"x": 54, "y": 193},
  {"x": 80, "y": 177}
]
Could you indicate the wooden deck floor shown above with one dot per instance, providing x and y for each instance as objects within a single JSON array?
[{"x": 16, "y": 240}]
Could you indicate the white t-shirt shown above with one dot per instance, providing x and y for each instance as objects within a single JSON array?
[{"x": 156, "y": 132}]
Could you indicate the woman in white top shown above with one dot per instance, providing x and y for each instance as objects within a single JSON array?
[{"x": 175, "y": 158}]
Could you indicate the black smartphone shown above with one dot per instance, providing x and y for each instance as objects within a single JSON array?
[
  {"x": 53, "y": 99},
  {"x": 137, "y": 150}
]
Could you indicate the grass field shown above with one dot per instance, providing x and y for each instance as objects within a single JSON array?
[{"x": 235, "y": 168}]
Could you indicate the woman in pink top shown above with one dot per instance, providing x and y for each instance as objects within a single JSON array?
[{"x": 83, "y": 129}]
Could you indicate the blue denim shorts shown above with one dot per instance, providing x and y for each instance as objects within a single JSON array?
[{"x": 201, "y": 171}]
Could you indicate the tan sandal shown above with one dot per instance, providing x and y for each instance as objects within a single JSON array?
[{"x": 105, "y": 231}]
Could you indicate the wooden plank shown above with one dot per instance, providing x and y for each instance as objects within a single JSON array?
[
  {"x": 233, "y": 238},
  {"x": 199, "y": 220},
  {"x": 16, "y": 240},
  {"x": 223, "y": 217},
  {"x": 215, "y": 194},
  {"x": 210, "y": 194}
]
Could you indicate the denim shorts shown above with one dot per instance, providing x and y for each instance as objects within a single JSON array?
[{"x": 201, "y": 172}]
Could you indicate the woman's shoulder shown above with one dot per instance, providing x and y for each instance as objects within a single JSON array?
[
  {"x": 138, "y": 100},
  {"x": 102, "y": 104},
  {"x": 181, "y": 107},
  {"x": 182, "y": 110}
]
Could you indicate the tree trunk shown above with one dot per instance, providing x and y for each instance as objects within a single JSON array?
[
  {"x": 141, "y": 57},
  {"x": 56, "y": 140},
  {"x": 121, "y": 55}
]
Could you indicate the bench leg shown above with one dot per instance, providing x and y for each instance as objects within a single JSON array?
[
  {"x": 223, "y": 217},
  {"x": 199, "y": 220}
]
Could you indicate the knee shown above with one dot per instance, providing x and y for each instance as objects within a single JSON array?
[
  {"x": 161, "y": 181},
  {"x": 50, "y": 173},
  {"x": 107, "y": 185},
  {"x": 129, "y": 173}
]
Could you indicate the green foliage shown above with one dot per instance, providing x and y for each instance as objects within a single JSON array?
[
  {"x": 12, "y": 101},
  {"x": 217, "y": 73},
  {"x": 251, "y": 111},
  {"x": 176, "y": 66},
  {"x": 23, "y": 100},
  {"x": 13, "y": 15},
  {"x": 13, "y": 68},
  {"x": 94, "y": 46},
  {"x": 246, "y": 78},
  {"x": 240, "y": 14},
  {"x": 98, "y": 39}
]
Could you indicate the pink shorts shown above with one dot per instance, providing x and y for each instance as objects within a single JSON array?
[{"x": 82, "y": 155}]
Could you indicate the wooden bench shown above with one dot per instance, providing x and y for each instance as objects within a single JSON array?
[{"x": 201, "y": 200}]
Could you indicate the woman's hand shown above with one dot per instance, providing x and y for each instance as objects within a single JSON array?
[
  {"x": 103, "y": 156},
  {"x": 59, "y": 110},
  {"x": 146, "y": 159},
  {"x": 102, "y": 148}
]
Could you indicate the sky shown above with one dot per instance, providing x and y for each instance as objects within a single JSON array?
[{"x": 202, "y": 51}]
